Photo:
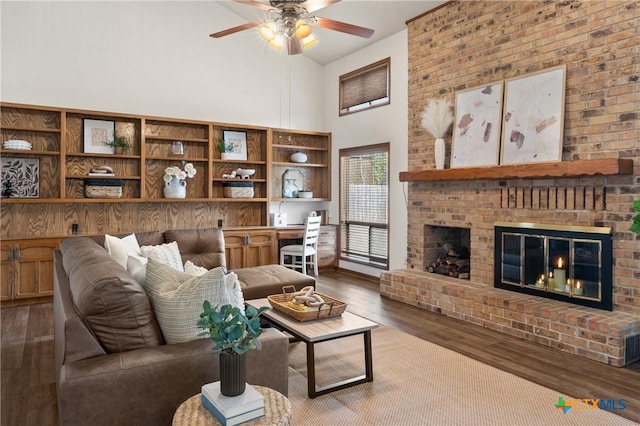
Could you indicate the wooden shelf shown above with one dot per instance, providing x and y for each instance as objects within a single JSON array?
[
  {"x": 28, "y": 152},
  {"x": 299, "y": 147},
  {"x": 292, "y": 164},
  {"x": 562, "y": 169}
]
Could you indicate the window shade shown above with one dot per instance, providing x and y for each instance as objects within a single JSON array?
[
  {"x": 364, "y": 204},
  {"x": 365, "y": 86}
]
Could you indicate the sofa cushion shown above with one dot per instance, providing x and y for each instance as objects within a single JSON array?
[
  {"x": 167, "y": 254},
  {"x": 230, "y": 279},
  {"x": 177, "y": 298},
  {"x": 113, "y": 305},
  {"x": 121, "y": 248},
  {"x": 137, "y": 267},
  {"x": 203, "y": 247},
  {"x": 259, "y": 281}
]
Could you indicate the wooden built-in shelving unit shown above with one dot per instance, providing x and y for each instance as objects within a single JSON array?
[{"x": 57, "y": 138}]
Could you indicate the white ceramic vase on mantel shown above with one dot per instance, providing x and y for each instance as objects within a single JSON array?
[{"x": 439, "y": 153}]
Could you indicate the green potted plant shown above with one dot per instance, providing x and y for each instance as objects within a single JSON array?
[
  {"x": 119, "y": 143},
  {"x": 224, "y": 147},
  {"x": 635, "y": 226},
  {"x": 233, "y": 333}
]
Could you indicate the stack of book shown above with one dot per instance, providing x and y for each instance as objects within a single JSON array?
[{"x": 235, "y": 410}]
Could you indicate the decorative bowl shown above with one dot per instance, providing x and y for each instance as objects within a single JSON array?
[
  {"x": 305, "y": 194},
  {"x": 299, "y": 157},
  {"x": 245, "y": 173}
]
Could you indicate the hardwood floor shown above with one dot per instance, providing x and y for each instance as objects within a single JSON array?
[{"x": 28, "y": 384}]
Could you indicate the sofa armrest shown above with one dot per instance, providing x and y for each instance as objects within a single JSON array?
[{"x": 146, "y": 386}]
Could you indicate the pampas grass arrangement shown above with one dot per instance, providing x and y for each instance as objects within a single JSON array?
[{"x": 437, "y": 117}]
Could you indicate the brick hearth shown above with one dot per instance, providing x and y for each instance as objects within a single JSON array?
[
  {"x": 591, "y": 333},
  {"x": 469, "y": 44}
]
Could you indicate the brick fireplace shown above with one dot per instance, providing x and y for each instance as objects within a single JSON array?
[{"x": 469, "y": 44}]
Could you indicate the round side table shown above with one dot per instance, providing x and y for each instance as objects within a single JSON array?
[{"x": 277, "y": 411}]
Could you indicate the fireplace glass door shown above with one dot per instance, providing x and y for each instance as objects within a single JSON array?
[{"x": 558, "y": 262}]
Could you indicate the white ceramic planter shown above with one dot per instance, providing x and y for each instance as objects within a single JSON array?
[{"x": 439, "y": 153}]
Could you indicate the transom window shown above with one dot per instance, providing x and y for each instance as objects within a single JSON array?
[{"x": 365, "y": 88}]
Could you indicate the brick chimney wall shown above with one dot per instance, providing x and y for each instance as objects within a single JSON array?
[{"x": 465, "y": 44}]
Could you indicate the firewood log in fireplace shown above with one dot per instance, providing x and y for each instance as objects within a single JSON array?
[{"x": 451, "y": 266}]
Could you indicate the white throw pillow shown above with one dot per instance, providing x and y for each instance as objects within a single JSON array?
[
  {"x": 121, "y": 248},
  {"x": 193, "y": 269},
  {"x": 137, "y": 268},
  {"x": 169, "y": 254},
  {"x": 234, "y": 290},
  {"x": 231, "y": 281},
  {"x": 177, "y": 297}
]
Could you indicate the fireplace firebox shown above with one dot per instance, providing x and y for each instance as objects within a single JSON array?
[{"x": 569, "y": 263}]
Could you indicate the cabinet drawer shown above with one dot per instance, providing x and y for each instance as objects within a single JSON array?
[{"x": 326, "y": 259}]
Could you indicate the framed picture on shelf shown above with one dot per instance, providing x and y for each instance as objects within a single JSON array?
[
  {"x": 533, "y": 117},
  {"x": 236, "y": 145},
  {"x": 476, "y": 130},
  {"x": 20, "y": 177},
  {"x": 97, "y": 133}
]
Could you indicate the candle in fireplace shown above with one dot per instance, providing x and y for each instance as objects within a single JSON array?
[
  {"x": 560, "y": 275},
  {"x": 552, "y": 282},
  {"x": 578, "y": 289}
]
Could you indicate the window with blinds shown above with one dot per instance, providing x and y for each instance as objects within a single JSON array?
[
  {"x": 364, "y": 205},
  {"x": 365, "y": 88}
]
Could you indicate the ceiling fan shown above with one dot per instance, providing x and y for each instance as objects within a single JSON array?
[{"x": 289, "y": 22}]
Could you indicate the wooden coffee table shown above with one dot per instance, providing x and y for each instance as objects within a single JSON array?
[{"x": 322, "y": 330}]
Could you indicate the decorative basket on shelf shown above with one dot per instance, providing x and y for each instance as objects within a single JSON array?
[
  {"x": 237, "y": 189},
  {"x": 103, "y": 188}
]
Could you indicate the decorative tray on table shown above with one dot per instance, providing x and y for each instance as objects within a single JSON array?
[{"x": 323, "y": 306}]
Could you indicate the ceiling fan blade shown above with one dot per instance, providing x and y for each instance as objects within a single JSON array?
[
  {"x": 313, "y": 5},
  {"x": 294, "y": 45},
  {"x": 235, "y": 29},
  {"x": 344, "y": 27},
  {"x": 255, "y": 4}
]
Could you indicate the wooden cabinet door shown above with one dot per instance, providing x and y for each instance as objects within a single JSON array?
[
  {"x": 234, "y": 249},
  {"x": 248, "y": 248},
  {"x": 34, "y": 268},
  {"x": 261, "y": 249},
  {"x": 7, "y": 276}
]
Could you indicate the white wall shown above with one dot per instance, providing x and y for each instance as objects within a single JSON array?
[
  {"x": 383, "y": 124},
  {"x": 153, "y": 58},
  {"x": 156, "y": 58}
]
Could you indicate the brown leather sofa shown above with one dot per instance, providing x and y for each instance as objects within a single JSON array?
[{"x": 112, "y": 364}]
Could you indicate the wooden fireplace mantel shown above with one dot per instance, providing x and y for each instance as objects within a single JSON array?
[{"x": 562, "y": 169}]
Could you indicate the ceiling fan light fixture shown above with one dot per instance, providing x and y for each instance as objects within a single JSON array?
[
  {"x": 309, "y": 41},
  {"x": 276, "y": 43},
  {"x": 291, "y": 22},
  {"x": 303, "y": 29},
  {"x": 268, "y": 30}
]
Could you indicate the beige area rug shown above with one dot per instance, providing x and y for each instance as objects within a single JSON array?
[{"x": 418, "y": 383}]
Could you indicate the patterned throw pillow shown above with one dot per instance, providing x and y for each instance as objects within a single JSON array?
[
  {"x": 231, "y": 281},
  {"x": 169, "y": 254},
  {"x": 177, "y": 297}
]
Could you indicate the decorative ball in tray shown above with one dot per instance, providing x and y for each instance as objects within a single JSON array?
[{"x": 306, "y": 304}]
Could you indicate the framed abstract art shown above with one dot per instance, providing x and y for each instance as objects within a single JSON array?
[
  {"x": 476, "y": 130},
  {"x": 533, "y": 117}
]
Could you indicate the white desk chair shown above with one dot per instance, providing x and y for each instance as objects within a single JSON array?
[{"x": 305, "y": 254}]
